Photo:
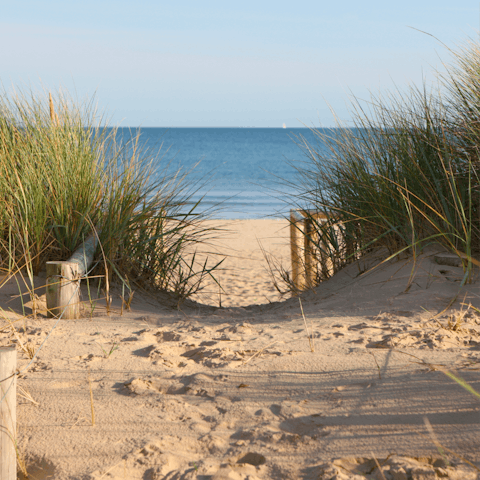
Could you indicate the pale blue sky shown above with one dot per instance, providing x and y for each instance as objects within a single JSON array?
[{"x": 222, "y": 63}]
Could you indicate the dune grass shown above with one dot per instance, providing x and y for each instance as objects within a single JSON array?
[
  {"x": 64, "y": 173},
  {"x": 404, "y": 175}
]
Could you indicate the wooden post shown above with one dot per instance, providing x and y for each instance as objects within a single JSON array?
[
  {"x": 63, "y": 281},
  {"x": 84, "y": 254},
  {"x": 8, "y": 413},
  {"x": 310, "y": 261},
  {"x": 62, "y": 290},
  {"x": 298, "y": 277},
  {"x": 304, "y": 265}
]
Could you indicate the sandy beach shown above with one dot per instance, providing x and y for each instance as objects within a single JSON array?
[
  {"x": 244, "y": 274},
  {"x": 253, "y": 390}
]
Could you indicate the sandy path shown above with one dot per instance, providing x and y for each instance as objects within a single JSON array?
[
  {"x": 244, "y": 274},
  {"x": 237, "y": 393}
]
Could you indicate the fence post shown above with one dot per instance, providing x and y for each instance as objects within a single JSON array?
[
  {"x": 310, "y": 234},
  {"x": 298, "y": 278},
  {"x": 8, "y": 413},
  {"x": 62, "y": 290},
  {"x": 63, "y": 281},
  {"x": 304, "y": 259}
]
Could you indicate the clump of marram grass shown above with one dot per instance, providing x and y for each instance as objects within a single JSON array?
[
  {"x": 406, "y": 175},
  {"x": 64, "y": 173}
]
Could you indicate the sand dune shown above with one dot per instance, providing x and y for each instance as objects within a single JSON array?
[{"x": 236, "y": 392}]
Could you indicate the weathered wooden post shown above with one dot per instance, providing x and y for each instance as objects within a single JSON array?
[
  {"x": 309, "y": 240},
  {"x": 8, "y": 413},
  {"x": 63, "y": 281},
  {"x": 62, "y": 290},
  {"x": 304, "y": 265},
  {"x": 297, "y": 266}
]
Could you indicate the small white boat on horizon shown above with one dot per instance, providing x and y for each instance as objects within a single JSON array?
[{"x": 284, "y": 126}]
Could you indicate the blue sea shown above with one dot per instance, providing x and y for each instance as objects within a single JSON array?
[{"x": 244, "y": 167}]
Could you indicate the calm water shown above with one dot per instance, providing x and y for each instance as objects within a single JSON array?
[{"x": 243, "y": 165}]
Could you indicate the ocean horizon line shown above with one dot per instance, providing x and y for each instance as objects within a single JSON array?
[{"x": 257, "y": 128}]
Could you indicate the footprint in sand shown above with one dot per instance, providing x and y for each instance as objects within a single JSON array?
[
  {"x": 248, "y": 466},
  {"x": 305, "y": 426},
  {"x": 87, "y": 358},
  {"x": 394, "y": 467},
  {"x": 153, "y": 385},
  {"x": 198, "y": 385},
  {"x": 255, "y": 459},
  {"x": 363, "y": 326},
  {"x": 167, "y": 336},
  {"x": 199, "y": 329},
  {"x": 286, "y": 410},
  {"x": 428, "y": 338},
  {"x": 264, "y": 414},
  {"x": 244, "y": 328},
  {"x": 214, "y": 444},
  {"x": 293, "y": 427},
  {"x": 157, "y": 459},
  {"x": 207, "y": 354},
  {"x": 170, "y": 351},
  {"x": 200, "y": 428},
  {"x": 156, "y": 335},
  {"x": 210, "y": 356},
  {"x": 130, "y": 339},
  {"x": 40, "y": 366}
]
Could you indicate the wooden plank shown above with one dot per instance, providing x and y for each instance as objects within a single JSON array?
[
  {"x": 8, "y": 413},
  {"x": 63, "y": 292},
  {"x": 83, "y": 255}
]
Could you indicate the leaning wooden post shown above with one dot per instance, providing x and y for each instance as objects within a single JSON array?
[
  {"x": 63, "y": 281},
  {"x": 8, "y": 413}
]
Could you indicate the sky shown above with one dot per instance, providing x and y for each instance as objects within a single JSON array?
[{"x": 206, "y": 63}]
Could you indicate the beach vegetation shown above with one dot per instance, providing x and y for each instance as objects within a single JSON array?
[
  {"x": 108, "y": 352},
  {"x": 66, "y": 175},
  {"x": 403, "y": 175}
]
